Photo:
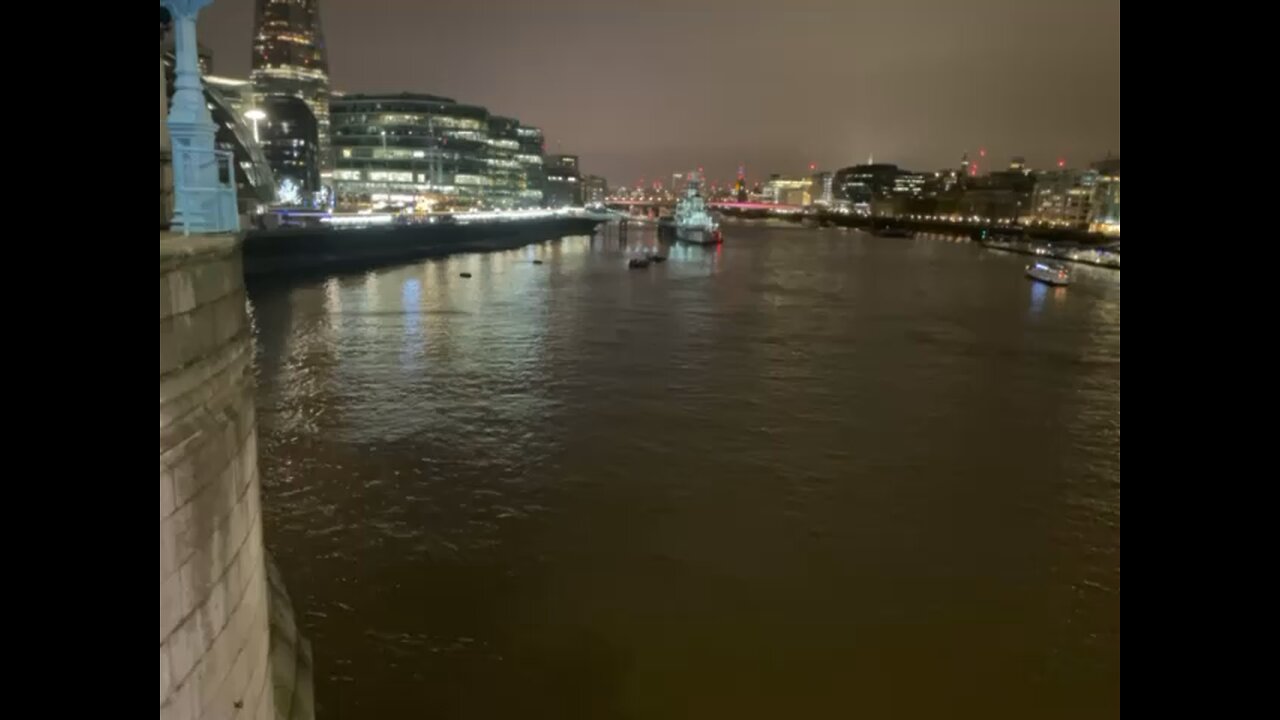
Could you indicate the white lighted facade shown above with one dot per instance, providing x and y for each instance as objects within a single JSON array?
[
  {"x": 1064, "y": 198},
  {"x": 1105, "y": 213},
  {"x": 787, "y": 191},
  {"x": 820, "y": 189}
]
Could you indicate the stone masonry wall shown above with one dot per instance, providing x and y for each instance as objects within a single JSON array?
[{"x": 214, "y": 614}]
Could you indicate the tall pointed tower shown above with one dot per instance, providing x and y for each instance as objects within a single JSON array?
[{"x": 289, "y": 58}]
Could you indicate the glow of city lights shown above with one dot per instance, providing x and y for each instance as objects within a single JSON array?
[
  {"x": 254, "y": 115},
  {"x": 363, "y": 219}
]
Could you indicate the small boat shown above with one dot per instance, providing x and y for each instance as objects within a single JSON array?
[
  {"x": 638, "y": 262},
  {"x": 1050, "y": 273},
  {"x": 655, "y": 257},
  {"x": 465, "y": 275}
]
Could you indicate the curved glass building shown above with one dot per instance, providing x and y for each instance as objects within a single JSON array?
[
  {"x": 291, "y": 144},
  {"x": 429, "y": 152}
]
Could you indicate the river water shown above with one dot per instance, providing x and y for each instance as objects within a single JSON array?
[{"x": 807, "y": 474}]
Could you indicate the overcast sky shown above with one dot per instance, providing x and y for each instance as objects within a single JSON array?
[{"x": 650, "y": 87}]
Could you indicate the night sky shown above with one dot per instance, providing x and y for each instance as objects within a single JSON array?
[{"x": 649, "y": 87}]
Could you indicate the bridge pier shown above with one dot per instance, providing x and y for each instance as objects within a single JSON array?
[
  {"x": 229, "y": 646},
  {"x": 214, "y": 637}
]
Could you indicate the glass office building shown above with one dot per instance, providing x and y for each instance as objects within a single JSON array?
[{"x": 426, "y": 152}]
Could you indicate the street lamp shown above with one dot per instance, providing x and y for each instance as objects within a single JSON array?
[{"x": 254, "y": 115}]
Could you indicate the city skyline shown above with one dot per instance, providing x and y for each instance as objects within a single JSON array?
[
  {"x": 644, "y": 358},
  {"x": 776, "y": 87}
]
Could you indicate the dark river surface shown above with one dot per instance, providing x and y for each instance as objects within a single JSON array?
[{"x": 808, "y": 474}]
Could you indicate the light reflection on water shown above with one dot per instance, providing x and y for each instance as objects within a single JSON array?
[{"x": 804, "y": 474}]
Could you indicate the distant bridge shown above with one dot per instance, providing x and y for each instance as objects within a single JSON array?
[
  {"x": 776, "y": 208},
  {"x": 779, "y": 208}
]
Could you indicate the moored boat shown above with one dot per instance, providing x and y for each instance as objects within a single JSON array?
[{"x": 693, "y": 221}]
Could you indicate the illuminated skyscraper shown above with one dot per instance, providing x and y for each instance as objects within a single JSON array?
[{"x": 289, "y": 59}]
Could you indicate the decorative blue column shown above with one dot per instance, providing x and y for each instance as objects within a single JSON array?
[{"x": 203, "y": 178}]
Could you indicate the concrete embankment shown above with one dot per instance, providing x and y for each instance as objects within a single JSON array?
[
  {"x": 293, "y": 251},
  {"x": 975, "y": 230},
  {"x": 1086, "y": 256},
  {"x": 229, "y": 647}
]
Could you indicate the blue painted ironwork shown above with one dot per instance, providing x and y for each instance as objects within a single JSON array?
[
  {"x": 211, "y": 205},
  {"x": 203, "y": 178}
]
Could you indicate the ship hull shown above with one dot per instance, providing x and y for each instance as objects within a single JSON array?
[{"x": 697, "y": 236}]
